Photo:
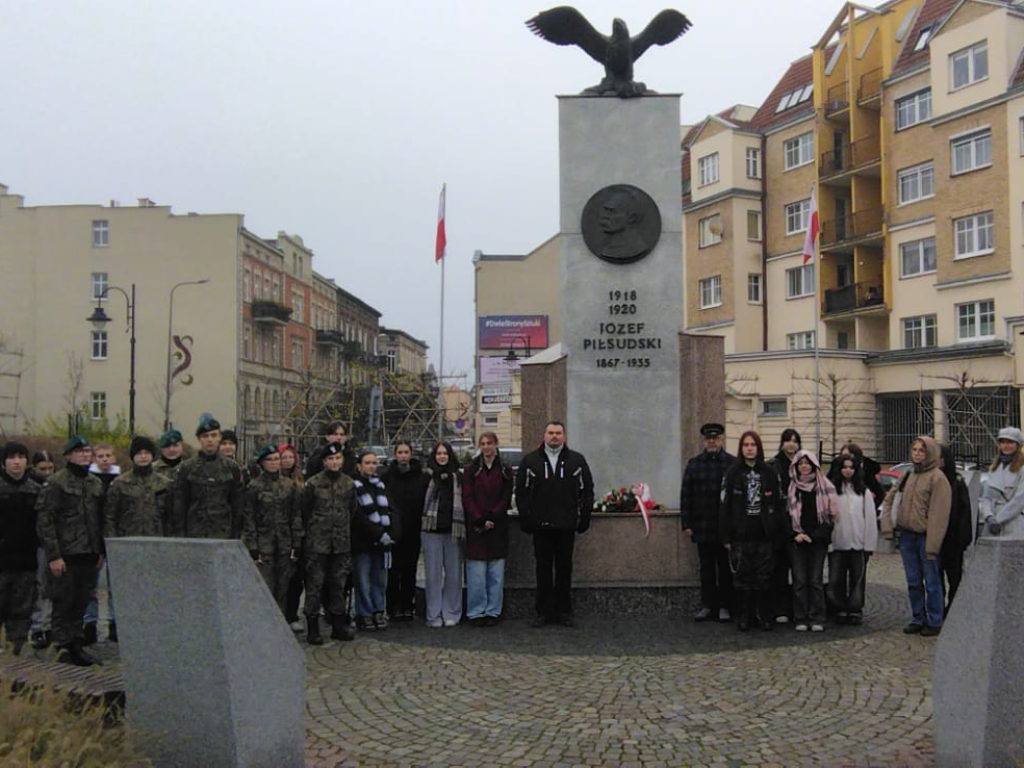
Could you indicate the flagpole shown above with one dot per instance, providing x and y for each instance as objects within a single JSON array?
[
  {"x": 440, "y": 246},
  {"x": 810, "y": 255}
]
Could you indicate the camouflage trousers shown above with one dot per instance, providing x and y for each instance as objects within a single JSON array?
[
  {"x": 331, "y": 571},
  {"x": 70, "y": 593},
  {"x": 276, "y": 570},
  {"x": 17, "y": 598}
]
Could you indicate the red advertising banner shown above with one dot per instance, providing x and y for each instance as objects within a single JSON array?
[{"x": 519, "y": 332}]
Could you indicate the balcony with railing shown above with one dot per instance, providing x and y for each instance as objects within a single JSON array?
[
  {"x": 869, "y": 93},
  {"x": 837, "y": 100},
  {"x": 332, "y": 338},
  {"x": 859, "y": 225},
  {"x": 856, "y": 296},
  {"x": 849, "y": 158},
  {"x": 271, "y": 312}
]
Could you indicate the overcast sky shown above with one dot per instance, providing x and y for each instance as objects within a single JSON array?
[{"x": 339, "y": 120}]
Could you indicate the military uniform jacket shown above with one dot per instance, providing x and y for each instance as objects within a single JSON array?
[
  {"x": 138, "y": 505},
  {"x": 18, "y": 540},
  {"x": 273, "y": 519},
  {"x": 70, "y": 515},
  {"x": 207, "y": 498},
  {"x": 170, "y": 471},
  {"x": 327, "y": 509}
]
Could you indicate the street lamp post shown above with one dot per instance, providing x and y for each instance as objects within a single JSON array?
[
  {"x": 512, "y": 357},
  {"x": 99, "y": 318},
  {"x": 170, "y": 337}
]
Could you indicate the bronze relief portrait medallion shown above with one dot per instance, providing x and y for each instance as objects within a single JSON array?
[{"x": 621, "y": 224}]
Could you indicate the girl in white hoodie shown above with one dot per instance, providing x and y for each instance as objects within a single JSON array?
[{"x": 854, "y": 538}]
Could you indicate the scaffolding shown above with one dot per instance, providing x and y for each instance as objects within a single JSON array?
[{"x": 11, "y": 366}]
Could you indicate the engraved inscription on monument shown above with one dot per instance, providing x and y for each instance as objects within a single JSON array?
[
  {"x": 625, "y": 340},
  {"x": 620, "y": 224}
]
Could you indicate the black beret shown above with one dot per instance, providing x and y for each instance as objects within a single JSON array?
[
  {"x": 207, "y": 424},
  {"x": 332, "y": 448}
]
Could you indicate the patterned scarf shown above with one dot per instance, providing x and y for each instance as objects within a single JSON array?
[
  {"x": 825, "y": 493},
  {"x": 373, "y": 501},
  {"x": 430, "y": 507}
]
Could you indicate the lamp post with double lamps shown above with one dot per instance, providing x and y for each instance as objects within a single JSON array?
[
  {"x": 170, "y": 338},
  {"x": 512, "y": 357},
  {"x": 99, "y": 319}
]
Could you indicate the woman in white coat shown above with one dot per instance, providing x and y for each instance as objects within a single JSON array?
[
  {"x": 854, "y": 538},
  {"x": 1002, "y": 503}
]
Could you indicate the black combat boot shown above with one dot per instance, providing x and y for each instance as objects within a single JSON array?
[
  {"x": 89, "y": 633},
  {"x": 313, "y": 631},
  {"x": 73, "y": 654},
  {"x": 112, "y": 632},
  {"x": 340, "y": 630}
]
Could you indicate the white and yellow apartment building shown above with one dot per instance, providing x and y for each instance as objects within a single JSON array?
[
  {"x": 256, "y": 335},
  {"x": 906, "y": 124}
]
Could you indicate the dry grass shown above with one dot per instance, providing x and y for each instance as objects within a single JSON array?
[{"x": 41, "y": 727}]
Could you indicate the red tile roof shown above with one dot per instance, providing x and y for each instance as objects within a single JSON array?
[
  {"x": 932, "y": 12},
  {"x": 799, "y": 73}
]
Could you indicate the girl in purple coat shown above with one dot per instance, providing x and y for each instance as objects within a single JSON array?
[{"x": 486, "y": 495}]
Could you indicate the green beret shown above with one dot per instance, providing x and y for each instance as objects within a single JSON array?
[
  {"x": 73, "y": 444},
  {"x": 266, "y": 450},
  {"x": 207, "y": 424},
  {"x": 170, "y": 437}
]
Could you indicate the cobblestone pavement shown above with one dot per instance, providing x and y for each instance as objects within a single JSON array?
[{"x": 640, "y": 691}]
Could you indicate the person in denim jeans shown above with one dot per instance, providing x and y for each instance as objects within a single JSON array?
[
  {"x": 813, "y": 510},
  {"x": 921, "y": 519},
  {"x": 487, "y": 495}
]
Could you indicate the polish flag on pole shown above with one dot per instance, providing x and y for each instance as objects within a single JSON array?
[
  {"x": 441, "y": 242},
  {"x": 812, "y": 227}
]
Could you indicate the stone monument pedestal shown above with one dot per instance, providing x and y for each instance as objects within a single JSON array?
[
  {"x": 977, "y": 695},
  {"x": 213, "y": 675}
]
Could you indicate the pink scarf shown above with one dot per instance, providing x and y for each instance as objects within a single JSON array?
[{"x": 825, "y": 493}]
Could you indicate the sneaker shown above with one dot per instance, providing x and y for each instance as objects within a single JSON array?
[
  {"x": 451, "y": 622},
  {"x": 380, "y": 621},
  {"x": 365, "y": 624},
  {"x": 930, "y": 631},
  {"x": 913, "y": 628},
  {"x": 435, "y": 624},
  {"x": 478, "y": 621},
  {"x": 491, "y": 621},
  {"x": 298, "y": 625},
  {"x": 801, "y": 627},
  {"x": 702, "y": 614},
  {"x": 817, "y": 627},
  {"x": 724, "y": 615},
  {"x": 782, "y": 619}
]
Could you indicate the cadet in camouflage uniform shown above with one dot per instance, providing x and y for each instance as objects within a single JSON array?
[
  {"x": 170, "y": 454},
  {"x": 139, "y": 501},
  {"x": 70, "y": 521},
  {"x": 18, "y": 543},
  {"x": 207, "y": 493},
  {"x": 328, "y": 503},
  {"x": 272, "y": 529}
]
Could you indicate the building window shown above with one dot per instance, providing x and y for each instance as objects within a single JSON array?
[
  {"x": 754, "y": 288},
  {"x": 973, "y": 235},
  {"x": 247, "y": 343},
  {"x": 98, "y": 405},
  {"x": 753, "y": 163},
  {"x": 969, "y": 65},
  {"x": 976, "y": 320},
  {"x": 99, "y": 345},
  {"x": 773, "y": 407},
  {"x": 392, "y": 361},
  {"x": 297, "y": 353},
  {"x": 923, "y": 36},
  {"x": 800, "y": 282},
  {"x": 711, "y": 292},
  {"x": 799, "y": 150},
  {"x": 919, "y": 332},
  {"x": 798, "y": 216},
  {"x": 710, "y": 229},
  {"x": 916, "y": 182},
  {"x": 490, "y": 421},
  {"x": 913, "y": 109},
  {"x": 971, "y": 152},
  {"x": 100, "y": 233},
  {"x": 247, "y": 284},
  {"x": 274, "y": 352},
  {"x": 298, "y": 307},
  {"x": 802, "y": 340},
  {"x": 276, "y": 291},
  {"x": 754, "y": 225},
  {"x": 707, "y": 169},
  {"x": 917, "y": 257},
  {"x": 99, "y": 285},
  {"x": 842, "y": 339}
]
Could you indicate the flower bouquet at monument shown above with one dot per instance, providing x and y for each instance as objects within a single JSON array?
[{"x": 635, "y": 498}]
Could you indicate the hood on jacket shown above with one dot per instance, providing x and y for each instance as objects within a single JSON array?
[
  {"x": 804, "y": 454},
  {"x": 932, "y": 454}
]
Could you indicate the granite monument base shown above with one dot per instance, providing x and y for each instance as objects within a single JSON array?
[
  {"x": 977, "y": 696},
  {"x": 213, "y": 675}
]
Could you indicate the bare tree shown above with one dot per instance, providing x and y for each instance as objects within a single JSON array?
[{"x": 73, "y": 378}]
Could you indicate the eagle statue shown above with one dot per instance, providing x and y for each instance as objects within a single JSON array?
[{"x": 565, "y": 25}]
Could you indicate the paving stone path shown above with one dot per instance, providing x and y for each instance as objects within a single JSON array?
[{"x": 629, "y": 691}]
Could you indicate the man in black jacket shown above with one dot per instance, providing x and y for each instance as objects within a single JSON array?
[
  {"x": 555, "y": 496},
  {"x": 18, "y": 543},
  {"x": 406, "y": 483}
]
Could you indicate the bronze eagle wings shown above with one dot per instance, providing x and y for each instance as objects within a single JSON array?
[{"x": 565, "y": 25}]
